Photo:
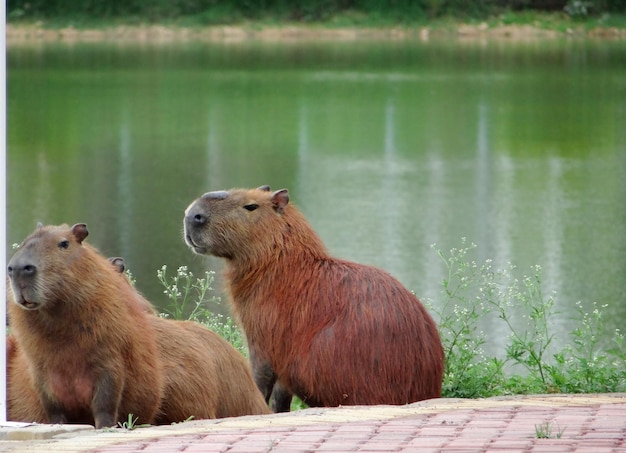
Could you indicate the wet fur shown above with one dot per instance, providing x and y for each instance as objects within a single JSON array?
[{"x": 331, "y": 331}]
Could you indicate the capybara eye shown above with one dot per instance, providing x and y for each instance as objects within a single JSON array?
[
  {"x": 64, "y": 244},
  {"x": 251, "y": 206}
]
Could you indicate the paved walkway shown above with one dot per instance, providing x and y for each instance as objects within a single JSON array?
[{"x": 570, "y": 423}]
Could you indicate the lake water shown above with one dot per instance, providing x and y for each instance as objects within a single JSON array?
[{"x": 387, "y": 147}]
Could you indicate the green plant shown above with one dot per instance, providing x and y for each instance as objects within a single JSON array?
[
  {"x": 189, "y": 299},
  {"x": 131, "y": 423},
  {"x": 545, "y": 431},
  {"x": 529, "y": 343},
  {"x": 473, "y": 294},
  {"x": 188, "y": 419},
  {"x": 131, "y": 278},
  {"x": 187, "y": 296},
  {"x": 584, "y": 366},
  {"x": 225, "y": 326},
  {"x": 468, "y": 373}
]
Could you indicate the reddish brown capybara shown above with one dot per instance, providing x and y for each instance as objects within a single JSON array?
[
  {"x": 205, "y": 377},
  {"x": 331, "y": 331},
  {"x": 23, "y": 404},
  {"x": 91, "y": 353}
]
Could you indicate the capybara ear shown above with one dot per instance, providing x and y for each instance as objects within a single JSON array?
[
  {"x": 280, "y": 198},
  {"x": 264, "y": 188},
  {"x": 118, "y": 263},
  {"x": 80, "y": 232},
  {"x": 39, "y": 225}
]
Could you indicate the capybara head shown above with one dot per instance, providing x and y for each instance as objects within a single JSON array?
[
  {"x": 39, "y": 267},
  {"x": 226, "y": 223}
]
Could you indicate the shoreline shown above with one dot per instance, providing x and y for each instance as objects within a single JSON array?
[{"x": 17, "y": 34}]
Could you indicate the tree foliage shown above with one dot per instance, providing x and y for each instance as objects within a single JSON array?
[{"x": 301, "y": 10}]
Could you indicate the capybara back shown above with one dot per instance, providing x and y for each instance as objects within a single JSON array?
[
  {"x": 205, "y": 377},
  {"x": 331, "y": 331}
]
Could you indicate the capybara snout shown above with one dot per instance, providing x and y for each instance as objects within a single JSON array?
[
  {"x": 22, "y": 273},
  {"x": 197, "y": 216}
]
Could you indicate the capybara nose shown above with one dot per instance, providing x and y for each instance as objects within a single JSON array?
[
  {"x": 196, "y": 219},
  {"x": 17, "y": 271}
]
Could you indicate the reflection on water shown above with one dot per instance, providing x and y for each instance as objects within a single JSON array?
[{"x": 386, "y": 147}]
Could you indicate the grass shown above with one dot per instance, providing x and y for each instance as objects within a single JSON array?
[
  {"x": 546, "y": 431},
  {"x": 131, "y": 423},
  {"x": 472, "y": 294}
]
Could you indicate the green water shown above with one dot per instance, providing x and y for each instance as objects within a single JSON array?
[{"x": 387, "y": 148}]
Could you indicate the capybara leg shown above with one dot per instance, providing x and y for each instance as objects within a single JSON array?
[
  {"x": 105, "y": 402},
  {"x": 281, "y": 398},
  {"x": 264, "y": 375},
  {"x": 53, "y": 409}
]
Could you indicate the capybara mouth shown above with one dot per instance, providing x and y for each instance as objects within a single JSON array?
[
  {"x": 195, "y": 247},
  {"x": 27, "y": 305},
  {"x": 21, "y": 300}
]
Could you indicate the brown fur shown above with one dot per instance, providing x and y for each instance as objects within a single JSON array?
[
  {"x": 91, "y": 353},
  {"x": 120, "y": 266},
  {"x": 23, "y": 404},
  {"x": 331, "y": 331},
  {"x": 205, "y": 377}
]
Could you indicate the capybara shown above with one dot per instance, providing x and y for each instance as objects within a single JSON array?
[
  {"x": 331, "y": 331},
  {"x": 23, "y": 403},
  {"x": 91, "y": 353},
  {"x": 205, "y": 377}
]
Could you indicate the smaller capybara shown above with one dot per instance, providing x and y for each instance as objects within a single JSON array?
[
  {"x": 205, "y": 377},
  {"x": 331, "y": 331},
  {"x": 91, "y": 353},
  {"x": 23, "y": 403}
]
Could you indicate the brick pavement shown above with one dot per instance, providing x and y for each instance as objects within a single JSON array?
[{"x": 578, "y": 423}]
